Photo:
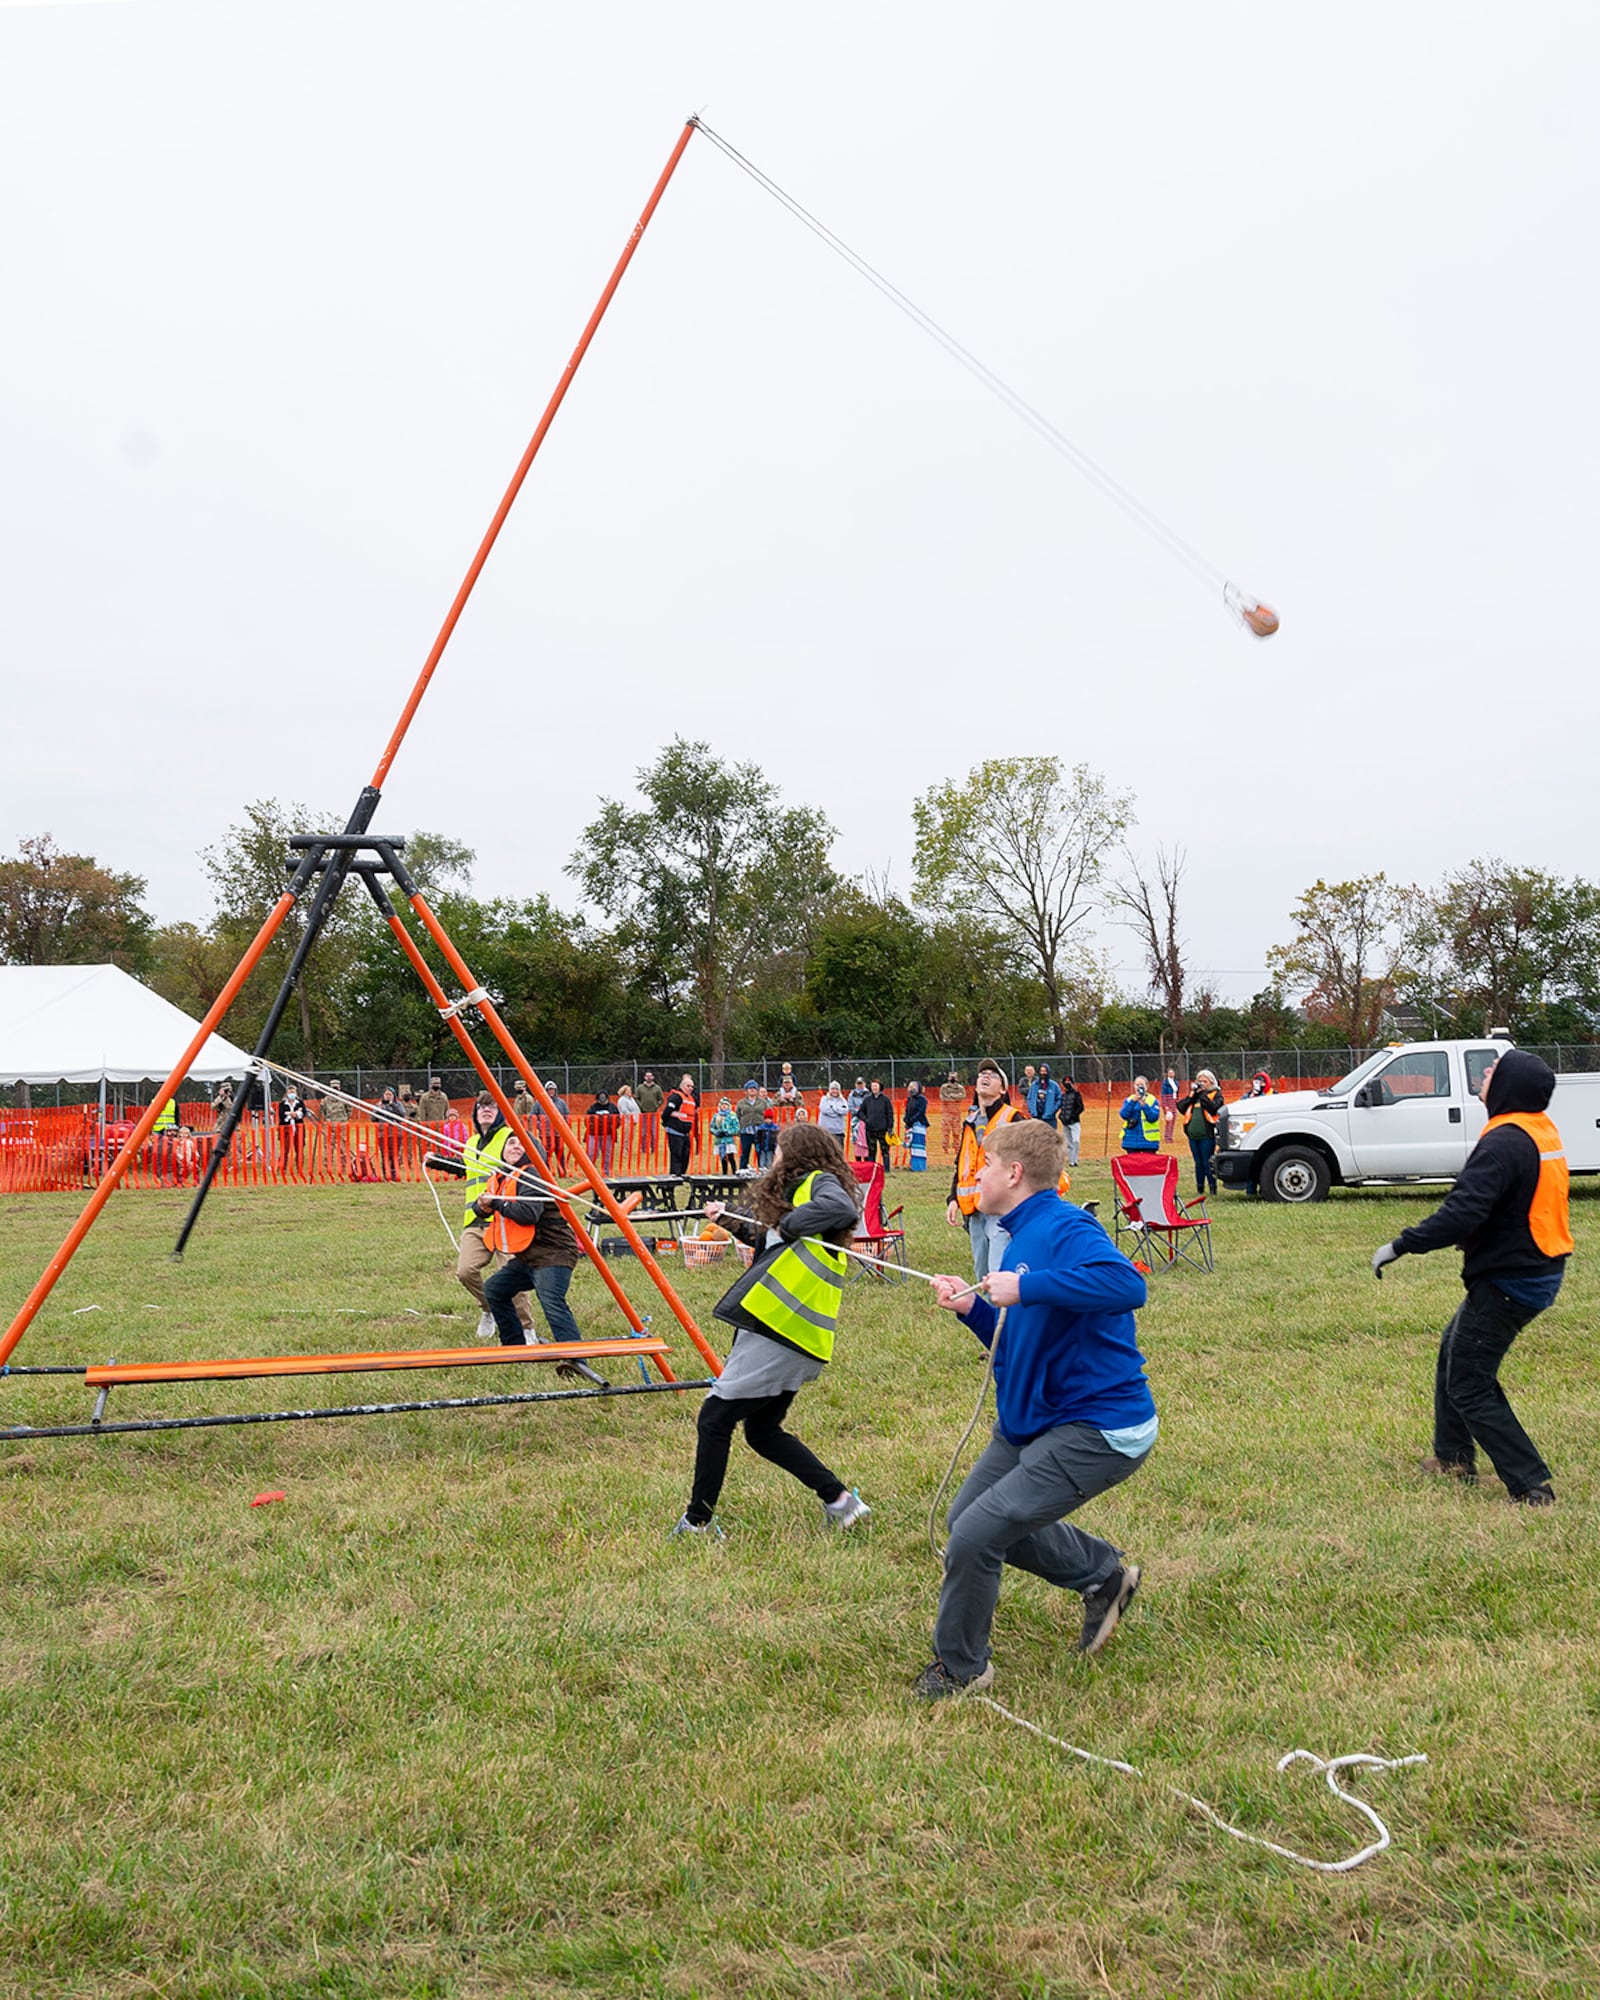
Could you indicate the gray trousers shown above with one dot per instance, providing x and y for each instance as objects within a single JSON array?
[
  {"x": 987, "y": 1236},
  {"x": 1009, "y": 1510}
]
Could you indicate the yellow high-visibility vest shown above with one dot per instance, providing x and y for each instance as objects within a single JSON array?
[
  {"x": 799, "y": 1293},
  {"x": 481, "y": 1158}
]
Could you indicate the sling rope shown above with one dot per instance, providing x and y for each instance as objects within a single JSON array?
[{"x": 1238, "y": 601}]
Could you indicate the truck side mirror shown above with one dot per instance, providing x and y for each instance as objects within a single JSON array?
[{"x": 1366, "y": 1098}]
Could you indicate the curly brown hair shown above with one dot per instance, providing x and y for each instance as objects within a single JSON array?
[{"x": 802, "y": 1149}]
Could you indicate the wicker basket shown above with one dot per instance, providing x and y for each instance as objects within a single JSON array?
[{"x": 699, "y": 1251}]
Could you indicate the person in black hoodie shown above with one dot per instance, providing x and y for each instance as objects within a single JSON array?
[
  {"x": 877, "y": 1119},
  {"x": 1508, "y": 1212}
]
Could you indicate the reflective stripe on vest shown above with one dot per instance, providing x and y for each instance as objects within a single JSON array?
[
  {"x": 1548, "y": 1221},
  {"x": 166, "y": 1117},
  {"x": 798, "y": 1294},
  {"x": 500, "y": 1232},
  {"x": 481, "y": 1158},
  {"x": 969, "y": 1159}
]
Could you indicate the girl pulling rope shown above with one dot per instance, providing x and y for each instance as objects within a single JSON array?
[{"x": 785, "y": 1309}]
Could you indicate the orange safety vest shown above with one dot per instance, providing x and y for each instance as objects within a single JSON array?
[
  {"x": 969, "y": 1158},
  {"x": 501, "y": 1233},
  {"x": 1548, "y": 1222}
]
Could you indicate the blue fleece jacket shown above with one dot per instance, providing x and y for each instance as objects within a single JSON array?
[{"x": 1069, "y": 1353}]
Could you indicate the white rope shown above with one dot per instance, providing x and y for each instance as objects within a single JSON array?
[
  {"x": 1143, "y": 516},
  {"x": 433, "y": 1189},
  {"x": 1329, "y": 1766},
  {"x": 955, "y": 1457},
  {"x": 438, "y": 1142}
]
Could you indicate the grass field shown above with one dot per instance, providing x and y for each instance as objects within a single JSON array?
[{"x": 456, "y": 1718}]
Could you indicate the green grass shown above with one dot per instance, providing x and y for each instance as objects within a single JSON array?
[{"x": 457, "y": 1719}]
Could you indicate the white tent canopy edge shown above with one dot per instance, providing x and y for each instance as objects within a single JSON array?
[{"x": 97, "y": 1024}]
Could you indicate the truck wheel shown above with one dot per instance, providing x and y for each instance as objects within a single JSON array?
[{"x": 1295, "y": 1173}]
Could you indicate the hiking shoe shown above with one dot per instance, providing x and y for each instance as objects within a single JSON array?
[
  {"x": 937, "y": 1683},
  {"x": 1535, "y": 1496},
  {"x": 687, "y": 1527},
  {"x": 1105, "y": 1604},
  {"x": 1449, "y": 1468},
  {"x": 846, "y": 1510},
  {"x": 487, "y": 1330}
]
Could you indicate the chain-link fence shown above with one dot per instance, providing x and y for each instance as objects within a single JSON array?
[{"x": 1290, "y": 1068}]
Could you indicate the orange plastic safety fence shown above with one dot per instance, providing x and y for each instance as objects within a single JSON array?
[{"x": 62, "y": 1149}]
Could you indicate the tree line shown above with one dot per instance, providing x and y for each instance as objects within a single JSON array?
[{"x": 713, "y": 925}]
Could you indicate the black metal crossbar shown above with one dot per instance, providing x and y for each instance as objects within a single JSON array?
[{"x": 27, "y": 1433}]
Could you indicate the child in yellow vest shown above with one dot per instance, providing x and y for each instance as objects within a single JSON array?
[{"x": 785, "y": 1308}]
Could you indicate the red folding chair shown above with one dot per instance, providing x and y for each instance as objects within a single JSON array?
[
  {"x": 1148, "y": 1209},
  {"x": 877, "y": 1237}
]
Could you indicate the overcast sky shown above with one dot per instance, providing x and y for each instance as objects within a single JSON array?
[{"x": 287, "y": 288}]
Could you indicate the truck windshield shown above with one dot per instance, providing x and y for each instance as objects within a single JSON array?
[{"x": 1360, "y": 1071}]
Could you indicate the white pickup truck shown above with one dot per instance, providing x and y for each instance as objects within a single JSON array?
[{"x": 1409, "y": 1113}]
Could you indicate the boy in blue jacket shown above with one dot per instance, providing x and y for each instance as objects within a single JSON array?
[{"x": 1074, "y": 1413}]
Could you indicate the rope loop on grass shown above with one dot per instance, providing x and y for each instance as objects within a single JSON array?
[{"x": 1329, "y": 1766}]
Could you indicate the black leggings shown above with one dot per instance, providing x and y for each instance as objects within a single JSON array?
[
  {"x": 762, "y": 1417},
  {"x": 878, "y": 1148}
]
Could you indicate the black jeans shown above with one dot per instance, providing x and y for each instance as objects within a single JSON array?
[
  {"x": 1469, "y": 1406},
  {"x": 762, "y": 1417},
  {"x": 677, "y": 1151}
]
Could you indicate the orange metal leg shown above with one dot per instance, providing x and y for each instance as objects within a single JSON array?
[
  {"x": 437, "y": 995},
  {"x": 565, "y": 1133},
  {"x": 136, "y": 1138}
]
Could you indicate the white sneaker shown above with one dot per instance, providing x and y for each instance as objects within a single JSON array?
[
  {"x": 709, "y": 1528},
  {"x": 846, "y": 1510},
  {"x": 487, "y": 1330}
]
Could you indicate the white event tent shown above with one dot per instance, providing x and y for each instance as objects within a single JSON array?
[{"x": 97, "y": 1024}]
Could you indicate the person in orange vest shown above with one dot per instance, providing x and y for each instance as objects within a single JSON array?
[
  {"x": 537, "y": 1248},
  {"x": 1508, "y": 1211},
  {"x": 984, "y": 1232}
]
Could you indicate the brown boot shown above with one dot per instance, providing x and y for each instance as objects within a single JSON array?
[{"x": 1449, "y": 1468}]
